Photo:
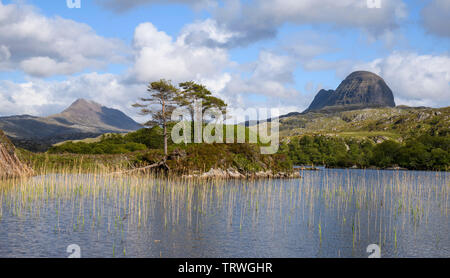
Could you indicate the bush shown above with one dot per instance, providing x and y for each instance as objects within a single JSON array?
[{"x": 422, "y": 153}]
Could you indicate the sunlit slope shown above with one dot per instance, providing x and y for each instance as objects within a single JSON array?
[{"x": 378, "y": 123}]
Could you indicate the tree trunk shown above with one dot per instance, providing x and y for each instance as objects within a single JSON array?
[
  {"x": 161, "y": 164},
  {"x": 166, "y": 153}
]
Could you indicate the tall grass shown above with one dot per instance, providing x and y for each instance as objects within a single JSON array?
[{"x": 384, "y": 206}]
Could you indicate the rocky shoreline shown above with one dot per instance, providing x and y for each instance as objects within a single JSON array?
[{"x": 232, "y": 173}]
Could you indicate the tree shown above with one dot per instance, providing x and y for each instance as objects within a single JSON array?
[
  {"x": 192, "y": 92},
  {"x": 162, "y": 93},
  {"x": 385, "y": 154}
]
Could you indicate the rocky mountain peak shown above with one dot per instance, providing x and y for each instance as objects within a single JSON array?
[
  {"x": 361, "y": 89},
  {"x": 81, "y": 105}
]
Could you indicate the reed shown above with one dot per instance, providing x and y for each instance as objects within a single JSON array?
[{"x": 119, "y": 204}]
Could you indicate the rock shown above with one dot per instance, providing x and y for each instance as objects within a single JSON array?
[
  {"x": 422, "y": 116},
  {"x": 395, "y": 167},
  {"x": 359, "y": 90},
  {"x": 214, "y": 173},
  {"x": 232, "y": 173},
  {"x": 347, "y": 147},
  {"x": 379, "y": 139},
  {"x": 262, "y": 174}
]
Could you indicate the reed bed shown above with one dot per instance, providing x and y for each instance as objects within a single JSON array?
[{"x": 382, "y": 207}]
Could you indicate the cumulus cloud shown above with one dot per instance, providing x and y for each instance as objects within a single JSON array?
[
  {"x": 260, "y": 19},
  {"x": 4, "y": 57},
  {"x": 436, "y": 17},
  {"x": 4, "y": 53},
  {"x": 43, "y": 46},
  {"x": 238, "y": 22},
  {"x": 267, "y": 76},
  {"x": 125, "y": 5},
  {"x": 157, "y": 55},
  {"x": 271, "y": 77},
  {"x": 207, "y": 33},
  {"x": 267, "y": 82},
  {"x": 160, "y": 56},
  {"x": 42, "y": 98},
  {"x": 416, "y": 80}
]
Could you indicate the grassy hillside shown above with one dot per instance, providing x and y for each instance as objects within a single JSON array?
[
  {"x": 377, "y": 124},
  {"x": 413, "y": 138}
]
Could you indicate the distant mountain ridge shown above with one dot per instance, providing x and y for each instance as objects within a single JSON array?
[
  {"x": 361, "y": 89},
  {"x": 82, "y": 119},
  {"x": 91, "y": 114}
]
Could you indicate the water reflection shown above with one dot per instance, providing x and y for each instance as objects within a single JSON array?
[{"x": 328, "y": 213}]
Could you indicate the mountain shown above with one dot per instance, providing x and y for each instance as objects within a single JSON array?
[
  {"x": 85, "y": 113},
  {"x": 361, "y": 89},
  {"x": 83, "y": 119}
]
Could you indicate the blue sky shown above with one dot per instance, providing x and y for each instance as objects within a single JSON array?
[{"x": 252, "y": 53}]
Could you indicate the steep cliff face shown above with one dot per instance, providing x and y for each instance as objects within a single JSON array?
[
  {"x": 10, "y": 165},
  {"x": 359, "y": 90}
]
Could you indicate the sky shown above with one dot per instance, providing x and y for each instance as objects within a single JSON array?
[{"x": 251, "y": 53}]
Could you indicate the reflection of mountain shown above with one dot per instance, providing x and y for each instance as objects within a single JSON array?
[
  {"x": 359, "y": 90},
  {"x": 82, "y": 119}
]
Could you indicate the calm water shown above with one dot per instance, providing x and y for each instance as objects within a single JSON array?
[{"x": 329, "y": 213}]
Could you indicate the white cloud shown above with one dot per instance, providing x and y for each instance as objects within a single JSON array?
[
  {"x": 414, "y": 79},
  {"x": 207, "y": 33},
  {"x": 259, "y": 19},
  {"x": 41, "y": 98},
  {"x": 267, "y": 82},
  {"x": 239, "y": 22},
  {"x": 125, "y": 5},
  {"x": 4, "y": 57},
  {"x": 4, "y": 53},
  {"x": 270, "y": 76},
  {"x": 62, "y": 46},
  {"x": 436, "y": 17},
  {"x": 159, "y": 56}
]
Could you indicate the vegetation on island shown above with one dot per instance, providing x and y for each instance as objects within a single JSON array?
[
  {"x": 422, "y": 153},
  {"x": 401, "y": 137},
  {"x": 145, "y": 147}
]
